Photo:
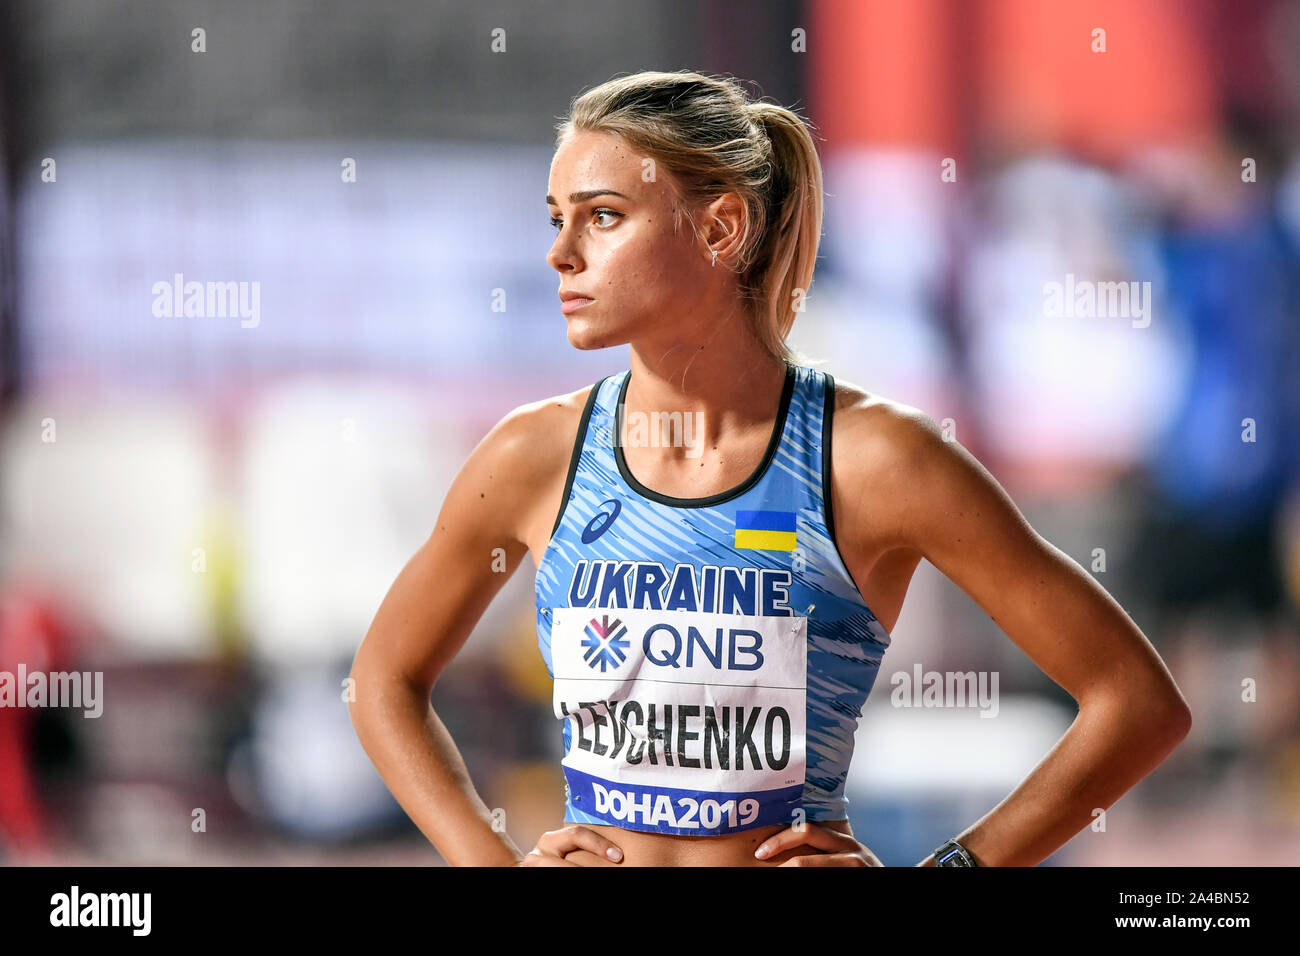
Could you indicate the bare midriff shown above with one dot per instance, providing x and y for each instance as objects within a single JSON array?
[{"x": 659, "y": 849}]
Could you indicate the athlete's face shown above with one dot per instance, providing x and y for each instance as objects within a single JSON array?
[{"x": 616, "y": 245}]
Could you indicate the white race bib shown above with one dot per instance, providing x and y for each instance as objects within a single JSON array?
[{"x": 682, "y": 722}]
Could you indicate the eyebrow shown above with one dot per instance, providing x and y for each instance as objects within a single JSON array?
[{"x": 585, "y": 195}]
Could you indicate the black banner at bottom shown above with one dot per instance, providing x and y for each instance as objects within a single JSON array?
[{"x": 332, "y": 905}]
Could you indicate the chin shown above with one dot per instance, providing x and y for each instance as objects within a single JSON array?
[{"x": 584, "y": 337}]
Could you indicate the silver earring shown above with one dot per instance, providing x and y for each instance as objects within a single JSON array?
[{"x": 715, "y": 257}]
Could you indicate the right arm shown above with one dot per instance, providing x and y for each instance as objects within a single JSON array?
[
  {"x": 425, "y": 619},
  {"x": 422, "y": 623}
]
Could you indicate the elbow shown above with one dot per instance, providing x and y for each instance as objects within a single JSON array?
[
  {"x": 1159, "y": 716},
  {"x": 375, "y": 690},
  {"x": 1179, "y": 722},
  {"x": 1175, "y": 717},
  {"x": 353, "y": 700},
  {"x": 361, "y": 704},
  {"x": 1171, "y": 721}
]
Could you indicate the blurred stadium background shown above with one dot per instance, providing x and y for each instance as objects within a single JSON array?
[{"x": 209, "y": 511}]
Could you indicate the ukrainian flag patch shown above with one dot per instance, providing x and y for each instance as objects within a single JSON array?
[{"x": 765, "y": 530}]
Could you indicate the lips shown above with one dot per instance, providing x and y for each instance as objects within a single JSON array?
[{"x": 573, "y": 301}]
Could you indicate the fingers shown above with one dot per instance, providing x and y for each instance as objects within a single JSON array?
[
  {"x": 825, "y": 859},
  {"x": 575, "y": 837},
  {"x": 809, "y": 834},
  {"x": 541, "y": 859}
]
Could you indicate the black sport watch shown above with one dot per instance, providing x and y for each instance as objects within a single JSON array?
[{"x": 953, "y": 853}]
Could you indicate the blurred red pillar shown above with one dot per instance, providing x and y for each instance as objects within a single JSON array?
[
  {"x": 1042, "y": 82},
  {"x": 1023, "y": 73},
  {"x": 882, "y": 72}
]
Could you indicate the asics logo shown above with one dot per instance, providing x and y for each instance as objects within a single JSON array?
[{"x": 600, "y": 524}]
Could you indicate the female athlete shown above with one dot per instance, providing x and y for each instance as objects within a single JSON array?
[{"x": 714, "y": 608}]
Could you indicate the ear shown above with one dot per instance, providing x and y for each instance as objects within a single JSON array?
[{"x": 725, "y": 224}]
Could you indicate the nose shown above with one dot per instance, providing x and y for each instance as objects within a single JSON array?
[{"x": 563, "y": 256}]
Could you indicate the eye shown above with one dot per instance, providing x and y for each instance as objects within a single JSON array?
[{"x": 557, "y": 222}]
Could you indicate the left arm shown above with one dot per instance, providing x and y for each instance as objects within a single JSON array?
[
  {"x": 946, "y": 505},
  {"x": 933, "y": 498}
]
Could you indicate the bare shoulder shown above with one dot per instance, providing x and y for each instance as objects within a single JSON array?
[
  {"x": 880, "y": 433},
  {"x": 535, "y": 438},
  {"x": 908, "y": 479},
  {"x": 515, "y": 477},
  {"x": 891, "y": 465}
]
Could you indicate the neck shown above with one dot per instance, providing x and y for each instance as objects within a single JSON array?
[{"x": 726, "y": 385}]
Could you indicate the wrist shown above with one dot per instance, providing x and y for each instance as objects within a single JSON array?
[{"x": 953, "y": 853}]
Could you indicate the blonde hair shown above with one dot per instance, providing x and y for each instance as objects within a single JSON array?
[{"x": 712, "y": 138}]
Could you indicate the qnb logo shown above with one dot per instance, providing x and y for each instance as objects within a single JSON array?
[
  {"x": 605, "y": 644},
  {"x": 739, "y": 649},
  {"x": 600, "y": 524}
]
